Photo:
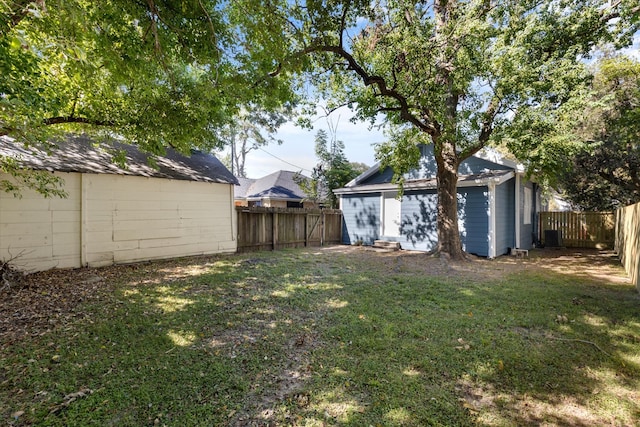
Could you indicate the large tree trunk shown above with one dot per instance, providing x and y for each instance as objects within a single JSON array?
[{"x": 449, "y": 242}]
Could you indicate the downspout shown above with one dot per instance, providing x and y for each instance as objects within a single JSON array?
[
  {"x": 492, "y": 220},
  {"x": 517, "y": 211}
]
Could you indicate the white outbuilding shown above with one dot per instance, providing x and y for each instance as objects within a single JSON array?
[{"x": 115, "y": 213}]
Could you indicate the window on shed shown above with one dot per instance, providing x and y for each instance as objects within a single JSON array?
[
  {"x": 527, "y": 206},
  {"x": 294, "y": 204}
]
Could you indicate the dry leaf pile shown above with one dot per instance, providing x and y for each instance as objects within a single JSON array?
[{"x": 38, "y": 302}]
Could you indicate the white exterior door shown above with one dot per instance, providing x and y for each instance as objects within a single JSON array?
[{"x": 391, "y": 215}]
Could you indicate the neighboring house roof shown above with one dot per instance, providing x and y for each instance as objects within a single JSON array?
[
  {"x": 81, "y": 154},
  {"x": 245, "y": 184},
  {"x": 276, "y": 186}
]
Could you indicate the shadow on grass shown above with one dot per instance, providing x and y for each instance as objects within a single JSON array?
[
  {"x": 530, "y": 348},
  {"x": 336, "y": 337}
]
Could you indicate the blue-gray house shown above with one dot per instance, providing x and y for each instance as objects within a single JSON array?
[{"x": 497, "y": 206}]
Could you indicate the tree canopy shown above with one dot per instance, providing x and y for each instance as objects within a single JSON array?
[
  {"x": 158, "y": 73},
  {"x": 457, "y": 74},
  {"x": 601, "y": 168}
]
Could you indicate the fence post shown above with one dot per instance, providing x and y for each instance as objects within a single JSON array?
[
  {"x": 306, "y": 229},
  {"x": 323, "y": 225},
  {"x": 274, "y": 228}
]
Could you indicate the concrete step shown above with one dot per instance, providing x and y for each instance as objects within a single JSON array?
[{"x": 385, "y": 244}]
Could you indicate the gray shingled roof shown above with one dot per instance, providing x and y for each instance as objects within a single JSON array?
[
  {"x": 245, "y": 184},
  {"x": 473, "y": 180},
  {"x": 278, "y": 185},
  {"x": 81, "y": 154}
]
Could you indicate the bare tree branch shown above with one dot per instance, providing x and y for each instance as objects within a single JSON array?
[{"x": 426, "y": 125}]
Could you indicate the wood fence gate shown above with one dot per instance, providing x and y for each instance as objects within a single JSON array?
[
  {"x": 579, "y": 229},
  {"x": 276, "y": 228}
]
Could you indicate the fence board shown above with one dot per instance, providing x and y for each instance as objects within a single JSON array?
[
  {"x": 277, "y": 228},
  {"x": 580, "y": 229},
  {"x": 628, "y": 241}
]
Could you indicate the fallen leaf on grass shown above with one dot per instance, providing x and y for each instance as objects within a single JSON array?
[
  {"x": 471, "y": 408},
  {"x": 464, "y": 345},
  {"x": 70, "y": 398}
]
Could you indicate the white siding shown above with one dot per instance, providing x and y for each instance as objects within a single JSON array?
[
  {"x": 41, "y": 233},
  {"x": 117, "y": 219}
]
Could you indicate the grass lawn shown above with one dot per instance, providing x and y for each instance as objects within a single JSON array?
[{"x": 317, "y": 337}]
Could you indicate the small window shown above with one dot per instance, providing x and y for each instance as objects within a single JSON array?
[
  {"x": 527, "y": 206},
  {"x": 294, "y": 204}
]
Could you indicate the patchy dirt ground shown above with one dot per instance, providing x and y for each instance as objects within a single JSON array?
[
  {"x": 39, "y": 301},
  {"x": 594, "y": 263}
]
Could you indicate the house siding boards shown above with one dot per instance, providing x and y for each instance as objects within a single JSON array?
[
  {"x": 487, "y": 209},
  {"x": 361, "y": 219},
  {"x": 473, "y": 219},
  {"x": 418, "y": 227},
  {"x": 137, "y": 218},
  {"x": 474, "y": 165},
  {"x": 112, "y": 217},
  {"x": 41, "y": 233},
  {"x": 381, "y": 177}
]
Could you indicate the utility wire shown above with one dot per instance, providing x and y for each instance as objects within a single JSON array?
[{"x": 284, "y": 161}]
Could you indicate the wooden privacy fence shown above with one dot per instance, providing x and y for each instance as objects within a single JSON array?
[
  {"x": 628, "y": 240},
  {"x": 276, "y": 228},
  {"x": 580, "y": 229}
]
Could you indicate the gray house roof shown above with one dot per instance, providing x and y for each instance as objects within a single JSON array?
[
  {"x": 488, "y": 154},
  {"x": 81, "y": 154},
  {"x": 278, "y": 185},
  {"x": 483, "y": 178}
]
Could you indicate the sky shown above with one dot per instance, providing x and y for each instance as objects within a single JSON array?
[{"x": 297, "y": 152}]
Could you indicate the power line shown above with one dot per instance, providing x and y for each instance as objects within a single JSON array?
[{"x": 284, "y": 161}]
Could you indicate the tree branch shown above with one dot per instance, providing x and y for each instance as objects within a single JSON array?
[
  {"x": 485, "y": 131},
  {"x": 379, "y": 82},
  {"x": 71, "y": 119},
  {"x": 606, "y": 17},
  {"x": 343, "y": 20},
  {"x": 20, "y": 10}
]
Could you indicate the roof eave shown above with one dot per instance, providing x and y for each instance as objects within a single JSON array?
[{"x": 431, "y": 185}]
